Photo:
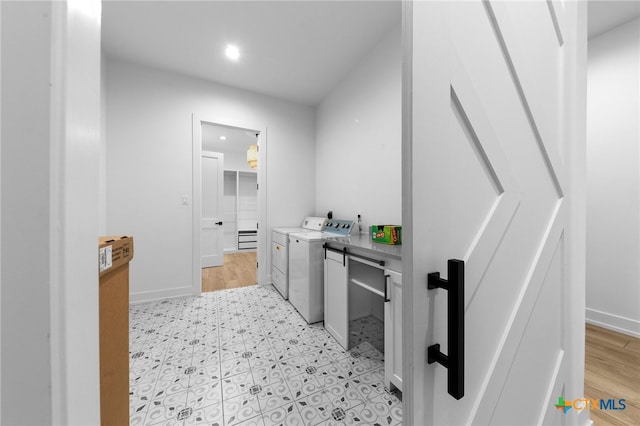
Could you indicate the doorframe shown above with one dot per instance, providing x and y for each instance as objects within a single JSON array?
[
  {"x": 408, "y": 398},
  {"x": 196, "y": 205}
]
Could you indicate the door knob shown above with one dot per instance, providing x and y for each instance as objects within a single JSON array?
[{"x": 219, "y": 223}]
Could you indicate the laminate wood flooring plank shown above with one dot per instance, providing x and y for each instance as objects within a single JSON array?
[
  {"x": 229, "y": 273},
  {"x": 246, "y": 277},
  {"x": 633, "y": 345},
  {"x": 212, "y": 279},
  {"x": 613, "y": 355},
  {"x": 205, "y": 279},
  {"x": 231, "y": 284},
  {"x": 606, "y": 363},
  {"x": 612, "y": 371},
  {"x": 611, "y": 387},
  {"x": 608, "y": 337},
  {"x": 238, "y": 270},
  {"x": 602, "y": 418}
]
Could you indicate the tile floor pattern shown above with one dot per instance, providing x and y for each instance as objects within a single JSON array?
[
  {"x": 367, "y": 329},
  {"x": 246, "y": 357}
]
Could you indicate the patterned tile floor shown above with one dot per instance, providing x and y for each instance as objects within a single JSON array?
[
  {"x": 367, "y": 329},
  {"x": 246, "y": 357}
]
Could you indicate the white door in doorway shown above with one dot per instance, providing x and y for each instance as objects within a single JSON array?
[
  {"x": 489, "y": 162},
  {"x": 212, "y": 233}
]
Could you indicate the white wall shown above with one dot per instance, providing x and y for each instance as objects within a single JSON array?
[
  {"x": 613, "y": 179},
  {"x": 50, "y": 148},
  {"x": 358, "y": 140},
  {"x": 102, "y": 193},
  {"x": 149, "y": 165},
  {"x": 26, "y": 369}
]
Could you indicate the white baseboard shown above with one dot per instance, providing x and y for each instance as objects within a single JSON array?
[
  {"x": 172, "y": 293},
  {"x": 613, "y": 322},
  {"x": 155, "y": 295}
]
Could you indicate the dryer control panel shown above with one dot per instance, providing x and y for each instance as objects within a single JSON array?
[{"x": 314, "y": 223}]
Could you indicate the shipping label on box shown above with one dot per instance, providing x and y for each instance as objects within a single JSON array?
[
  {"x": 114, "y": 252},
  {"x": 105, "y": 260}
]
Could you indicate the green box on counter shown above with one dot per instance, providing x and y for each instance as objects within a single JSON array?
[{"x": 386, "y": 234}]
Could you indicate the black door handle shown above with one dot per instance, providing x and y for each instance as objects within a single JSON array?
[
  {"x": 219, "y": 223},
  {"x": 454, "y": 361}
]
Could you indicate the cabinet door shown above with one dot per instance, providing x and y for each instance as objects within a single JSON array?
[
  {"x": 393, "y": 329},
  {"x": 336, "y": 297}
]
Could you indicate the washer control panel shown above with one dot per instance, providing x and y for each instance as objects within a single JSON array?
[{"x": 339, "y": 227}]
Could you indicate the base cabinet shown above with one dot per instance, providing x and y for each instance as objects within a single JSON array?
[
  {"x": 393, "y": 329},
  {"x": 341, "y": 272}
]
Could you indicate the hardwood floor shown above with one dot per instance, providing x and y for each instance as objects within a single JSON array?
[
  {"x": 612, "y": 371},
  {"x": 239, "y": 270}
]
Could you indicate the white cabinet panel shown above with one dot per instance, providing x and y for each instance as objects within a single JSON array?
[
  {"x": 336, "y": 297},
  {"x": 393, "y": 329},
  {"x": 279, "y": 280}
]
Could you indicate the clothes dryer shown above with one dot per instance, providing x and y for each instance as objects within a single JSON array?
[{"x": 280, "y": 251}]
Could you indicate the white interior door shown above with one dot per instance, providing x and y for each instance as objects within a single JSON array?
[
  {"x": 488, "y": 184},
  {"x": 211, "y": 224}
]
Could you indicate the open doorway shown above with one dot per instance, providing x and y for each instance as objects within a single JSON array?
[
  {"x": 612, "y": 335},
  {"x": 228, "y": 206}
]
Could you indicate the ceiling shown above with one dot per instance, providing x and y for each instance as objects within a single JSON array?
[
  {"x": 294, "y": 50},
  {"x": 237, "y": 140},
  {"x": 605, "y": 15}
]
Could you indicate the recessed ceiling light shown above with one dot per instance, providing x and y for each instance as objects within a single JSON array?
[
  {"x": 232, "y": 52},
  {"x": 223, "y": 138}
]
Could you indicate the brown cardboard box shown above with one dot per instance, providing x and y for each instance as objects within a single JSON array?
[{"x": 114, "y": 255}]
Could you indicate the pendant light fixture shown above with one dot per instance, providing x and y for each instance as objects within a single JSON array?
[{"x": 252, "y": 156}]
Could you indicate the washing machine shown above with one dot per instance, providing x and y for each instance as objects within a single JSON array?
[
  {"x": 280, "y": 251},
  {"x": 306, "y": 268}
]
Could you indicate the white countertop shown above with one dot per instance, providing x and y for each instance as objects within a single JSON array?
[{"x": 363, "y": 241}]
